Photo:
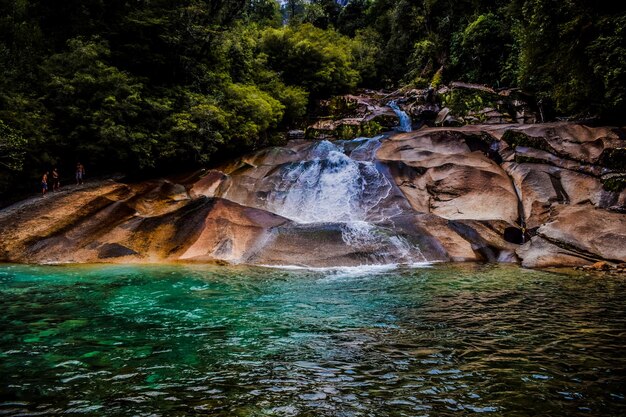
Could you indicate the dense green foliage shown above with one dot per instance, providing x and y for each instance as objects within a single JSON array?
[{"x": 161, "y": 85}]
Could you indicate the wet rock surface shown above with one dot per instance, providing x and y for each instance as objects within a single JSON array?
[{"x": 533, "y": 194}]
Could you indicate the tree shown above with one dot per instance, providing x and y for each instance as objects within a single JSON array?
[
  {"x": 264, "y": 12},
  {"x": 570, "y": 55},
  {"x": 318, "y": 60},
  {"x": 607, "y": 57},
  {"x": 12, "y": 148},
  {"x": 96, "y": 106},
  {"x": 481, "y": 51}
]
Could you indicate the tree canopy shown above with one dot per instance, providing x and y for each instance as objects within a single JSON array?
[{"x": 166, "y": 85}]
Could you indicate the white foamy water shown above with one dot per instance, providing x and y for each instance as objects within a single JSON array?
[
  {"x": 335, "y": 272},
  {"x": 332, "y": 186},
  {"x": 342, "y": 183},
  {"x": 386, "y": 246}
]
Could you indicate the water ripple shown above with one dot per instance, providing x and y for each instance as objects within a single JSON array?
[{"x": 189, "y": 340}]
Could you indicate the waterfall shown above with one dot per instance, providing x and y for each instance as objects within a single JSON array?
[
  {"x": 387, "y": 246},
  {"x": 332, "y": 186},
  {"x": 405, "y": 119},
  {"x": 341, "y": 183}
]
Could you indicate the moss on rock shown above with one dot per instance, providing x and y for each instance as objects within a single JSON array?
[
  {"x": 346, "y": 131},
  {"x": 515, "y": 138},
  {"x": 365, "y": 129},
  {"x": 616, "y": 184},
  {"x": 341, "y": 106},
  {"x": 614, "y": 158},
  {"x": 463, "y": 101}
]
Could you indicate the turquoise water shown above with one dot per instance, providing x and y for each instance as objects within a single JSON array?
[{"x": 202, "y": 340}]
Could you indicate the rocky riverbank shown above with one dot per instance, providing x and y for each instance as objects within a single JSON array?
[
  {"x": 368, "y": 112},
  {"x": 542, "y": 195}
]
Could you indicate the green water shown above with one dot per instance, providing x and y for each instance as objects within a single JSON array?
[{"x": 199, "y": 340}]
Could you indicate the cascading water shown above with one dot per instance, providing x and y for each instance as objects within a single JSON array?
[
  {"x": 387, "y": 246},
  {"x": 341, "y": 183},
  {"x": 332, "y": 186},
  {"x": 405, "y": 119}
]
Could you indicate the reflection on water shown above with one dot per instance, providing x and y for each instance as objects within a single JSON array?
[{"x": 200, "y": 340}]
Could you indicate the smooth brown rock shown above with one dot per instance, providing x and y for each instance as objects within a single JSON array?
[
  {"x": 231, "y": 232},
  {"x": 325, "y": 244},
  {"x": 542, "y": 188},
  {"x": 456, "y": 247},
  {"x": 486, "y": 238},
  {"x": 441, "y": 194},
  {"x": 538, "y": 187},
  {"x": 468, "y": 240},
  {"x": 539, "y": 253},
  {"x": 208, "y": 184},
  {"x": 24, "y": 224},
  {"x": 570, "y": 140},
  {"x": 140, "y": 223},
  {"x": 600, "y": 233},
  {"x": 439, "y": 174}
]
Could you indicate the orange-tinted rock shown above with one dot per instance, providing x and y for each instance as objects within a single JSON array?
[
  {"x": 601, "y": 266},
  {"x": 539, "y": 253},
  {"x": 597, "y": 232},
  {"x": 438, "y": 195}
]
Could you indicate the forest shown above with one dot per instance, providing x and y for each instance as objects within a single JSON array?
[{"x": 151, "y": 87}]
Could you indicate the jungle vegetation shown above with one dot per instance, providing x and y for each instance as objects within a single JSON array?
[{"x": 158, "y": 86}]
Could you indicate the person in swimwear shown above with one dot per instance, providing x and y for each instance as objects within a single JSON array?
[{"x": 44, "y": 184}]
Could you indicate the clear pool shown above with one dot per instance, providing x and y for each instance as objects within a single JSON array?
[{"x": 204, "y": 340}]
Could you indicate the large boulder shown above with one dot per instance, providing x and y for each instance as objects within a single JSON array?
[
  {"x": 25, "y": 225},
  {"x": 577, "y": 235},
  {"x": 351, "y": 244},
  {"x": 540, "y": 253},
  {"x": 588, "y": 230},
  {"x": 439, "y": 173},
  {"x": 542, "y": 185},
  {"x": 539, "y": 187},
  {"x": 577, "y": 142},
  {"x": 468, "y": 240},
  {"x": 121, "y": 223}
]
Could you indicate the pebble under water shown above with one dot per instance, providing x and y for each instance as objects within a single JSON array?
[{"x": 203, "y": 340}]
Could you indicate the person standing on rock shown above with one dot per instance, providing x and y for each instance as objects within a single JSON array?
[
  {"x": 44, "y": 184},
  {"x": 80, "y": 173},
  {"x": 56, "y": 183}
]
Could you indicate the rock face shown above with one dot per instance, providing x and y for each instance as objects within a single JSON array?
[
  {"x": 548, "y": 178},
  {"x": 352, "y": 116},
  {"x": 577, "y": 235},
  {"x": 369, "y": 113},
  {"x": 541, "y": 195},
  {"x": 439, "y": 173},
  {"x": 129, "y": 223}
]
